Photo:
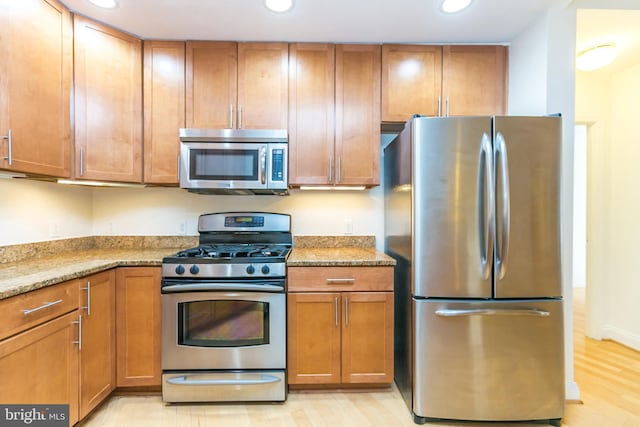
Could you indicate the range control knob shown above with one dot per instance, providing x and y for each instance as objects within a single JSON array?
[
  {"x": 194, "y": 269},
  {"x": 180, "y": 269},
  {"x": 251, "y": 269},
  {"x": 265, "y": 269}
]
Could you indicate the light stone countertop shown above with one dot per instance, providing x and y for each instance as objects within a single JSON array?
[
  {"x": 35, "y": 266},
  {"x": 340, "y": 256},
  {"x": 28, "y": 275}
]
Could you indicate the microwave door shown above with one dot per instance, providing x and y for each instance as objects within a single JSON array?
[{"x": 214, "y": 165}]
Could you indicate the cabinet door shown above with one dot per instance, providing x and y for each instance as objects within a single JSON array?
[
  {"x": 40, "y": 365},
  {"x": 357, "y": 139},
  {"x": 411, "y": 81},
  {"x": 35, "y": 81},
  {"x": 313, "y": 349},
  {"x": 98, "y": 349},
  {"x": 138, "y": 326},
  {"x": 367, "y": 337},
  {"x": 211, "y": 75},
  {"x": 474, "y": 80},
  {"x": 263, "y": 86},
  {"x": 311, "y": 113},
  {"x": 163, "y": 109},
  {"x": 108, "y": 103}
]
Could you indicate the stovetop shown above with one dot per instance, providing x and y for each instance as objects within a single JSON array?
[
  {"x": 247, "y": 245},
  {"x": 236, "y": 252}
]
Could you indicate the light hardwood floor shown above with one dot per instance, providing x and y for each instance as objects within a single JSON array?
[{"x": 608, "y": 375}]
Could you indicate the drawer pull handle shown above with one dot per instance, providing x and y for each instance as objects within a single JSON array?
[
  {"x": 341, "y": 281},
  {"x": 42, "y": 307}
]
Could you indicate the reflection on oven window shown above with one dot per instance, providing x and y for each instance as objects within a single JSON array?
[{"x": 223, "y": 323}]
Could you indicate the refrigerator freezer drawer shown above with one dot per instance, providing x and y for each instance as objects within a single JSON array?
[{"x": 488, "y": 360}]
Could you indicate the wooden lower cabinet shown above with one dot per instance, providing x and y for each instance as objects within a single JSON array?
[
  {"x": 98, "y": 342},
  {"x": 314, "y": 346},
  {"x": 341, "y": 337},
  {"x": 40, "y": 365},
  {"x": 138, "y": 326}
]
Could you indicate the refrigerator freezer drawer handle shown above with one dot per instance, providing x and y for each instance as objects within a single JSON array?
[
  {"x": 264, "y": 379},
  {"x": 492, "y": 312}
]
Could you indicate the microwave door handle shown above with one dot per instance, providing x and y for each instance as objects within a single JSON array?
[{"x": 263, "y": 165}]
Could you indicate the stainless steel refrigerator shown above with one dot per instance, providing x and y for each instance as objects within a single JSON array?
[{"x": 472, "y": 217}]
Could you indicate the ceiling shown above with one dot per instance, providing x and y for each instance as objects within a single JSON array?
[
  {"x": 622, "y": 27},
  {"x": 485, "y": 21}
]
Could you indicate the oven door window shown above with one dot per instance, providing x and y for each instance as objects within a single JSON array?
[
  {"x": 223, "y": 323},
  {"x": 224, "y": 164}
]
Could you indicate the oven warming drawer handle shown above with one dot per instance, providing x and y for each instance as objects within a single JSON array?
[
  {"x": 221, "y": 287},
  {"x": 264, "y": 379}
]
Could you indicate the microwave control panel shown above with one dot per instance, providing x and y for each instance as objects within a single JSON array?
[{"x": 277, "y": 160}]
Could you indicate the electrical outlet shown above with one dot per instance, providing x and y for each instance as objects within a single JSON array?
[
  {"x": 183, "y": 228},
  {"x": 54, "y": 230},
  {"x": 348, "y": 227}
]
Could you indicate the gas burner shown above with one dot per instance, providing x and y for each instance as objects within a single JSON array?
[{"x": 225, "y": 251}]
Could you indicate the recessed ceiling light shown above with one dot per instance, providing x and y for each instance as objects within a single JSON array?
[
  {"x": 453, "y": 6},
  {"x": 278, "y": 5},
  {"x": 107, "y": 4},
  {"x": 596, "y": 57}
]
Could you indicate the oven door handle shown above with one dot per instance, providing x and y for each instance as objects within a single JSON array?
[
  {"x": 221, "y": 287},
  {"x": 264, "y": 379}
]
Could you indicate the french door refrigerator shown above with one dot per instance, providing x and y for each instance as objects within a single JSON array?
[{"x": 472, "y": 217}]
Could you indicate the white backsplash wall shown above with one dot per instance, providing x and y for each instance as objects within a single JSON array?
[
  {"x": 172, "y": 211},
  {"x": 35, "y": 211}
]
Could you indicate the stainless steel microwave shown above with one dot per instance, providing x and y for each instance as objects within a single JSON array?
[{"x": 234, "y": 161}]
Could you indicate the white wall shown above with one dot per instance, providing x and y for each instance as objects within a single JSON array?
[
  {"x": 623, "y": 316},
  {"x": 33, "y": 211},
  {"x": 593, "y": 107},
  {"x": 164, "y": 211},
  {"x": 580, "y": 207},
  {"x": 541, "y": 81}
]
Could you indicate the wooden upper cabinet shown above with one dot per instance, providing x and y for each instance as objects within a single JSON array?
[
  {"x": 211, "y": 73},
  {"x": 263, "y": 86},
  {"x": 474, "y": 80},
  {"x": 311, "y": 113},
  {"x": 411, "y": 81},
  {"x": 164, "y": 109},
  {"x": 108, "y": 103},
  {"x": 35, "y": 82},
  {"x": 233, "y": 86},
  {"x": 357, "y": 100}
]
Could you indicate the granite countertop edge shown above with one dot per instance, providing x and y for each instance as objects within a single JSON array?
[
  {"x": 21, "y": 277},
  {"x": 338, "y": 257}
]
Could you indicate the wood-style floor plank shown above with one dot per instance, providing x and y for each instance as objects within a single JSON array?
[{"x": 607, "y": 373}]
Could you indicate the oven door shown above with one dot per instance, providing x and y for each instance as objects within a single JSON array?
[{"x": 223, "y": 330}]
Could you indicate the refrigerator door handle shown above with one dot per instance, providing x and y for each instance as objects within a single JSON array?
[
  {"x": 502, "y": 252},
  {"x": 492, "y": 312},
  {"x": 486, "y": 206}
]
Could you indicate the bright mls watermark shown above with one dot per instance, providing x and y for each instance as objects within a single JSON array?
[{"x": 34, "y": 415}]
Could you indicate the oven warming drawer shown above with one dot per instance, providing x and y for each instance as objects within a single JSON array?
[{"x": 203, "y": 386}]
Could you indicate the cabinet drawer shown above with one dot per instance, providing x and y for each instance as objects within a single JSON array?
[
  {"x": 352, "y": 279},
  {"x": 32, "y": 308}
]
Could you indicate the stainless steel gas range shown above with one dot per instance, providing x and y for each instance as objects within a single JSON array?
[{"x": 224, "y": 311}]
